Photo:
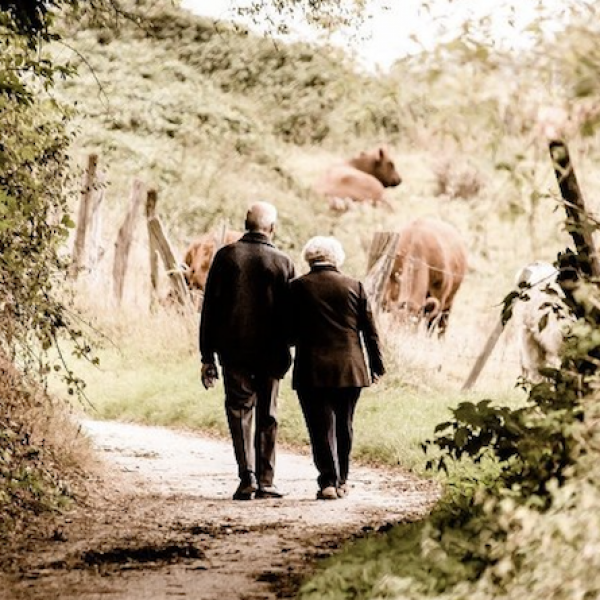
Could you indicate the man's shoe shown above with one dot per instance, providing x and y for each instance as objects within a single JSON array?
[
  {"x": 246, "y": 489},
  {"x": 327, "y": 493},
  {"x": 241, "y": 495},
  {"x": 270, "y": 491}
]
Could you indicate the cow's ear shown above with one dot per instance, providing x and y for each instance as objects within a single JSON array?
[{"x": 381, "y": 153}]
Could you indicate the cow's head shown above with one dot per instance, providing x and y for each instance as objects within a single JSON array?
[
  {"x": 405, "y": 310},
  {"x": 379, "y": 163},
  {"x": 199, "y": 256},
  {"x": 414, "y": 317}
]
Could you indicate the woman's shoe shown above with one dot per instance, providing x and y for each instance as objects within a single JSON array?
[{"x": 342, "y": 490}]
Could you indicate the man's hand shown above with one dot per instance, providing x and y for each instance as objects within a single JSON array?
[{"x": 209, "y": 375}]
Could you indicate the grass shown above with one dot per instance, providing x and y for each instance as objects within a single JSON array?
[
  {"x": 149, "y": 373},
  {"x": 357, "y": 569}
]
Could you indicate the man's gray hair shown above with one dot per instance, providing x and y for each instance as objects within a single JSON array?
[
  {"x": 324, "y": 249},
  {"x": 261, "y": 216}
]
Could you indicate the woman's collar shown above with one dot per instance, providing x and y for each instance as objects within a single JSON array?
[{"x": 319, "y": 265}]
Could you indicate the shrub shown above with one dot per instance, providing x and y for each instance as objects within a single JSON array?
[
  {"x": 40, "y": 451},
  {"x": 456, "y": 181}
]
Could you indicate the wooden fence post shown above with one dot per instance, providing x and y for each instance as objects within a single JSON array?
[
  {"x": 576, "y": 223},
  {"x": 124, "y": 237},
  {"x": 164, "y": 248},
  {"x": 78, "y": 258},
  {"x": 151, "y": 200},
  {"x": 379, "y": 265},
  {"x": 96, "y": 251},
  {"x": 483, "y": 357}
]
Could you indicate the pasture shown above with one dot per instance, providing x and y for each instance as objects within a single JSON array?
[
  {"x": 149, "y": 372},
  {"x": 207, "y": 175},
  {"x": 149, "y": 364},
  {"x": 216, "y": 120}
]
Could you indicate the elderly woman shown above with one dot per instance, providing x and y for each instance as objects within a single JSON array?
[{"x": 331, "y": 320}]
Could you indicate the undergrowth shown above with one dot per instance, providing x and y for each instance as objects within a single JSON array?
[{"x": 42, "y": 454}]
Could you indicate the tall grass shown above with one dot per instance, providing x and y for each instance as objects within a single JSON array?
[
  {"x": 214, "y": 131},
  {"x": 149, "y": 373}
]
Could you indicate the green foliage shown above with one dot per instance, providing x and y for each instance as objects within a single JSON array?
[
  {"x": 532, "y": 447},
  {"x": 34, "y": 220},
  {"x": 31, "y": 18},
  {"x": 34, "y": 183},
  {"x": 22, "y": 69},
  {"x": 294, "y": 84},
  {"x": 34, "y": 224}
]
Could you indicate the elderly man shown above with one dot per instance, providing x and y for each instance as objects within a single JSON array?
[
  {"x": 242, "y": 322},
  {"x": 331, "y": 319}
]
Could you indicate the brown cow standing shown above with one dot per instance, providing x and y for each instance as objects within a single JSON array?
[
  {"x": 199, "y": 256},
  {"x": 430, "y": 264},
  {"x": 359, "y": 179}
]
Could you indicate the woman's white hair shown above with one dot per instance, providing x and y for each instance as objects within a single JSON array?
[{"x": 324, "y": 249}]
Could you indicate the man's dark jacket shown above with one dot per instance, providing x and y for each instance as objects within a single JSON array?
[
  {"x": 329, "y": 312},
  {"x": 243, "y": 311}
]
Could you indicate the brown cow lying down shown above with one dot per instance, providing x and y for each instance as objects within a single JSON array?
[
  {"x": 199, "y": 256},
  {"x": 430, "y": 264},
  {"x": 359, "y": 179}
]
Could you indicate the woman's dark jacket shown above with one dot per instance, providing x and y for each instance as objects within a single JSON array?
[{"x": 329, "y": 313}]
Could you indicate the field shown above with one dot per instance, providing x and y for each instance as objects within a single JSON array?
[{"x": 207, "y": 175}]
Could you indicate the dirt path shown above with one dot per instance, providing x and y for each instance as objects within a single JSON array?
[{"x": 164, "y": 524}]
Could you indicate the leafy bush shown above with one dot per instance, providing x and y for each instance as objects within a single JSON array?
[
  {"x": 34, "y": 222},
  {"x": 34, "y": 219}
]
